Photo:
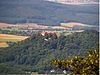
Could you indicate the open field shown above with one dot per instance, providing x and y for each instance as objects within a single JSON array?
[
  {"x": 3, "y": 44},
  {"x": 72, "y": 24},
  {"x": 23, "y": 25},
  {"x": 10, "y": 38},
  {"x": 6, "y": 25}
]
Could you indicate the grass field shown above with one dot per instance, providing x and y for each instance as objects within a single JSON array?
[{"x": 10, "y": 38}]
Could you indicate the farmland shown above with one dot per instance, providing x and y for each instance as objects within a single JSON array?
[
  {"x": 10, "y": 38},
  {"x": 3, "y": 44}
]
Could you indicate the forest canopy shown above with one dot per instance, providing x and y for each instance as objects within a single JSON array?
[{"x": 35, "y": 53}]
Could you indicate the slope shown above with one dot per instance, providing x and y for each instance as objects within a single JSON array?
[
  {"x": 36, "y": 52},
  {"x": 46, "y": 13}
]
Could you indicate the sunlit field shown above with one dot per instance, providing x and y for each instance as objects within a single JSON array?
[
  {"x": 3, "y": 44},
  {"x": 10, "y": 38}
]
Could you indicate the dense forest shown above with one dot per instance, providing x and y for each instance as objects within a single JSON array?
[{"x": 36, "y": 52}]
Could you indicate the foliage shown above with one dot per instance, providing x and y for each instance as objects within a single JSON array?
[
  {"x": 80, "y": 65},
  {"x": 36, "y": 52},
  {"x": 20, "y": 33}
]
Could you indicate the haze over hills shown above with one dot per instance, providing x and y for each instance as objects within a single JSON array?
[
  {"x": 46, "y": 13},
  {"x": 75, "y": 2}
]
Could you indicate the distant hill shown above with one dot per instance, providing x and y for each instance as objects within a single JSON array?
[
  {"x": 75, "y": 2},
  {"x": 46, "y": 13},
  {"x": 35, "y": 53}
]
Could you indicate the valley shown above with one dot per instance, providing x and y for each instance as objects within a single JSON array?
[
  {"x": 49, "y": 37},
  {"x": 19, "y": 32}
]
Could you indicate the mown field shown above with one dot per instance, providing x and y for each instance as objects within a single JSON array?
[{"x": 4, "y": 38}]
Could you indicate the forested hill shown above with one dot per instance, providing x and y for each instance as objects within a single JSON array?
[
  {"x": 46, "y": 13},
  {"x": 36, "y": 52}
]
